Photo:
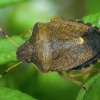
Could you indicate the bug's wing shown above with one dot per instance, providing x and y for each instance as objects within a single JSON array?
[
  {"x": 63, "y": 50},
  {"x": 61, "y": 42}
]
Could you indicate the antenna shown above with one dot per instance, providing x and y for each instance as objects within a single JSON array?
[
  {"x": 10, "y": 68},
  {"x": 8, "y": 38}
]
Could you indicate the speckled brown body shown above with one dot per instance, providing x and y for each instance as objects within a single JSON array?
[{"x": 61, "y": 45}]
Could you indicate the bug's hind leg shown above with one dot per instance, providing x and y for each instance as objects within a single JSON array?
[
  {"x": 71, "y": 80},
  {"x": 84, "y": 73}
]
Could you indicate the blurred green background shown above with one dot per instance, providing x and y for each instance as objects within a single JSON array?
[{"x": 17, "y": 16}]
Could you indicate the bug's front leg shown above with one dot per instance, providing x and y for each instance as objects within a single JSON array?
[{"x": 27, "y": 32}]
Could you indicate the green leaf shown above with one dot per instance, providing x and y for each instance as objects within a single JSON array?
[
  {"x": 93, "y": 89},
  {"x": 93, "y": 19},
  {"x": 9, "y": 94}
]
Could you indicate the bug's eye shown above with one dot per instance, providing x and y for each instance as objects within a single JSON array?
[
  {"x": 28, "y": 59},
  {"x": 27, "y": 42}
]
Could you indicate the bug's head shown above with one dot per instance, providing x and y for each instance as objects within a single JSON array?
[{"x": 24, "y": 52}]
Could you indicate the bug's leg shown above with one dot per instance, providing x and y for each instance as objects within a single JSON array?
[
  {"x": 71, "y": 80},
  {"x": 8, "y": 37},
  {"x": 27, "y": 32},
  {"x": 84, "y": 73}
]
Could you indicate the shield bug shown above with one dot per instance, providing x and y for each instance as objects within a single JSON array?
[{"x": 61, "y": 46}]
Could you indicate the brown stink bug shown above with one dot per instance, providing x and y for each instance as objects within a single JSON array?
[{"x": 61, "y": 46}]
